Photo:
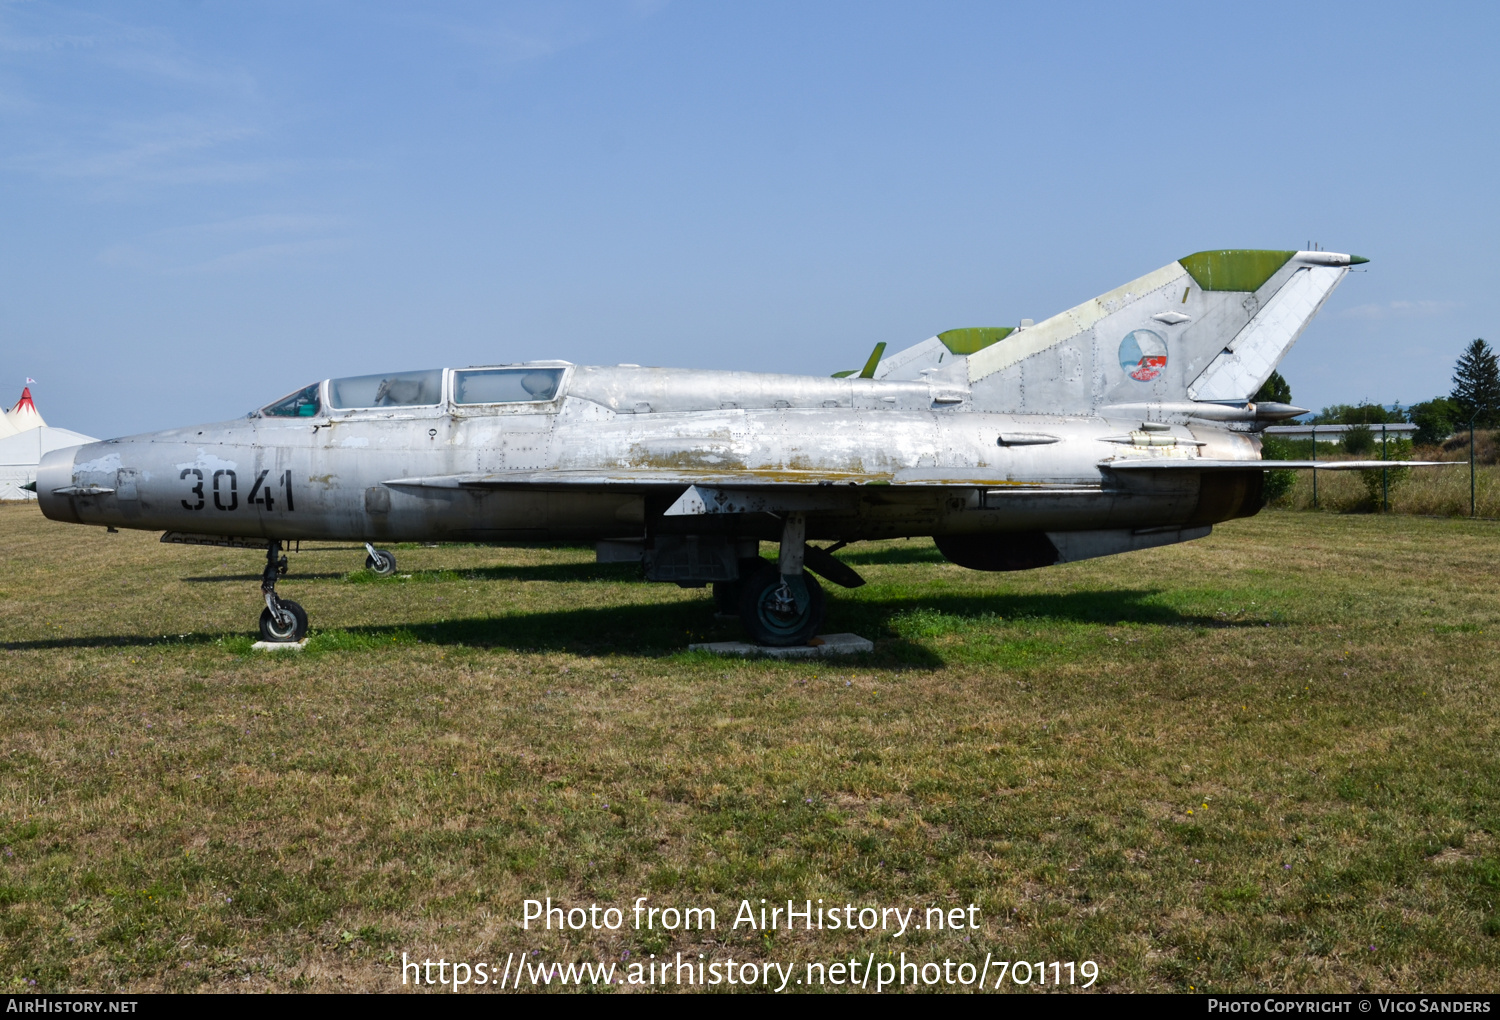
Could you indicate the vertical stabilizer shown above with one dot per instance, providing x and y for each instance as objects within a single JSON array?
[{"x": 1210, "y": 327}]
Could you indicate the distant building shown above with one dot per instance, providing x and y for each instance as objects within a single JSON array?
[
  {"x": 1335, "y": 433},
  {"x": 24, "y": 438}
]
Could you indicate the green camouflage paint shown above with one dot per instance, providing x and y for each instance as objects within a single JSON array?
[
  {"x": 975, "y": 338},
  {"x": 1244, "y": 269}
]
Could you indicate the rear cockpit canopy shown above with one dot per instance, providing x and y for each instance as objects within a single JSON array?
[
  {"x": 508, "y": 384},
  {"x": 505, "y": 385}
]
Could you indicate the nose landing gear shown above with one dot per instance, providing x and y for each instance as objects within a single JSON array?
[
  {"x": 282, "y": 619},
  {"x": 380, "y": 561}
]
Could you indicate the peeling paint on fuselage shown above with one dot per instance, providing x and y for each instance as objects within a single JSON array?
[{"x": 891, "y": 457}]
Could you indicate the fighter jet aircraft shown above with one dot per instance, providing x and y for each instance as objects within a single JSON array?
[{"x": 1121, "y": 424}]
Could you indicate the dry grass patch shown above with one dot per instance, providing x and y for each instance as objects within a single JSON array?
[{"x": 1235, "y": 764}]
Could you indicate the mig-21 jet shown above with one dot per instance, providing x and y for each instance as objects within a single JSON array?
[{"x": 1121, "y": 424}]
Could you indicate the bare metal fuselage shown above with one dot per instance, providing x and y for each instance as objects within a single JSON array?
[{"x": 612, "y": 455}]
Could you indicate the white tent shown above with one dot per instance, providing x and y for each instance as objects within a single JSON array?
[
  {"x": 20, "y": 455},
  {"x": 24, "y": 439},
  {"x": 25, "y": 415}
]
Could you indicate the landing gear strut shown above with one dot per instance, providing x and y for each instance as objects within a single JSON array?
[
  {"x": 782, "y": 604},
  {"x": 282, "y": 619}
]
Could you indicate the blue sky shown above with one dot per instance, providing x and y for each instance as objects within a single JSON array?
[{"x": 205, "y": 205}]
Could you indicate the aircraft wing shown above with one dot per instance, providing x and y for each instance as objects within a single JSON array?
[
  {"x": 626, "y": 479},
  {"x": 770, "y": 480},
  {"x": 747, "y": 493}
]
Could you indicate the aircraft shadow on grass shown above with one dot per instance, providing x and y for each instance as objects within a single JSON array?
[
  {"x": 208, "y": 578},
  {"x": 537, "y": 572},
  {"x": 917, "y": 553},
  {"x": 650, "y": 630}
]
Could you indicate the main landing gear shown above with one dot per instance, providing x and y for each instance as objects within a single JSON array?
[
  {"x": 282, "y": 619},
  {"x": 782, "y": 604}
]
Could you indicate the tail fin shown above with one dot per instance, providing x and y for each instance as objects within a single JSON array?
[{"x": 1208, "y": 328}]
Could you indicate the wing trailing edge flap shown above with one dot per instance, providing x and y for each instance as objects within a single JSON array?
[{"x": 1201, "y": 464}]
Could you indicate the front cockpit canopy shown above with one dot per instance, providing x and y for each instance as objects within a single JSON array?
[{"x": 302, "y": 404}]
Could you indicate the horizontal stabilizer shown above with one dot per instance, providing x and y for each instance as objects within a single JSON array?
[{"x": 1202, "y": 464}]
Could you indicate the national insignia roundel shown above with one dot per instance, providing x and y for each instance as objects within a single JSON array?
[{"x": 1143, "y": 354}]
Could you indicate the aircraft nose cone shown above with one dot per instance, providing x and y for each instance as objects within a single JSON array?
[{"x": 56, "y": 472}]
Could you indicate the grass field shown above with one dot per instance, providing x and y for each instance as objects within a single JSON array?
[
  {"x": 1436, "y": 492},
  {"x": 1262, "y": 761}
]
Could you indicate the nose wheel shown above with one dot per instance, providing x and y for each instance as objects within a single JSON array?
[
  {"x": 282, "y": 619},
  {"x": 379, "y": 561}
]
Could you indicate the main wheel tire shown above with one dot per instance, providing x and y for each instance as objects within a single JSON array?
[
  {"x": 271, "y": 630},
  {"x": 770, "y": 619},
  {"x": 383, "y": 564}
]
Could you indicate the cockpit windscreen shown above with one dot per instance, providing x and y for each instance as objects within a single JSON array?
[
  {"x": 302, "y": 404},
  {"x": 505, "y": 385},
  {"x": 394, "y": 389}
]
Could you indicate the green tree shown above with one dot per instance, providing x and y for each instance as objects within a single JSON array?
[
  {"x": 1378, "y": 480},
  {"x": 1278, "y": 483},
  {"x": 1476, "y": 385},
  {"x": 1274, "y": 390},
  {"x": 1359, "y": 440},
  {"x": 1359, "y": 414},
  {"x": 1436, "y": 420}
]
